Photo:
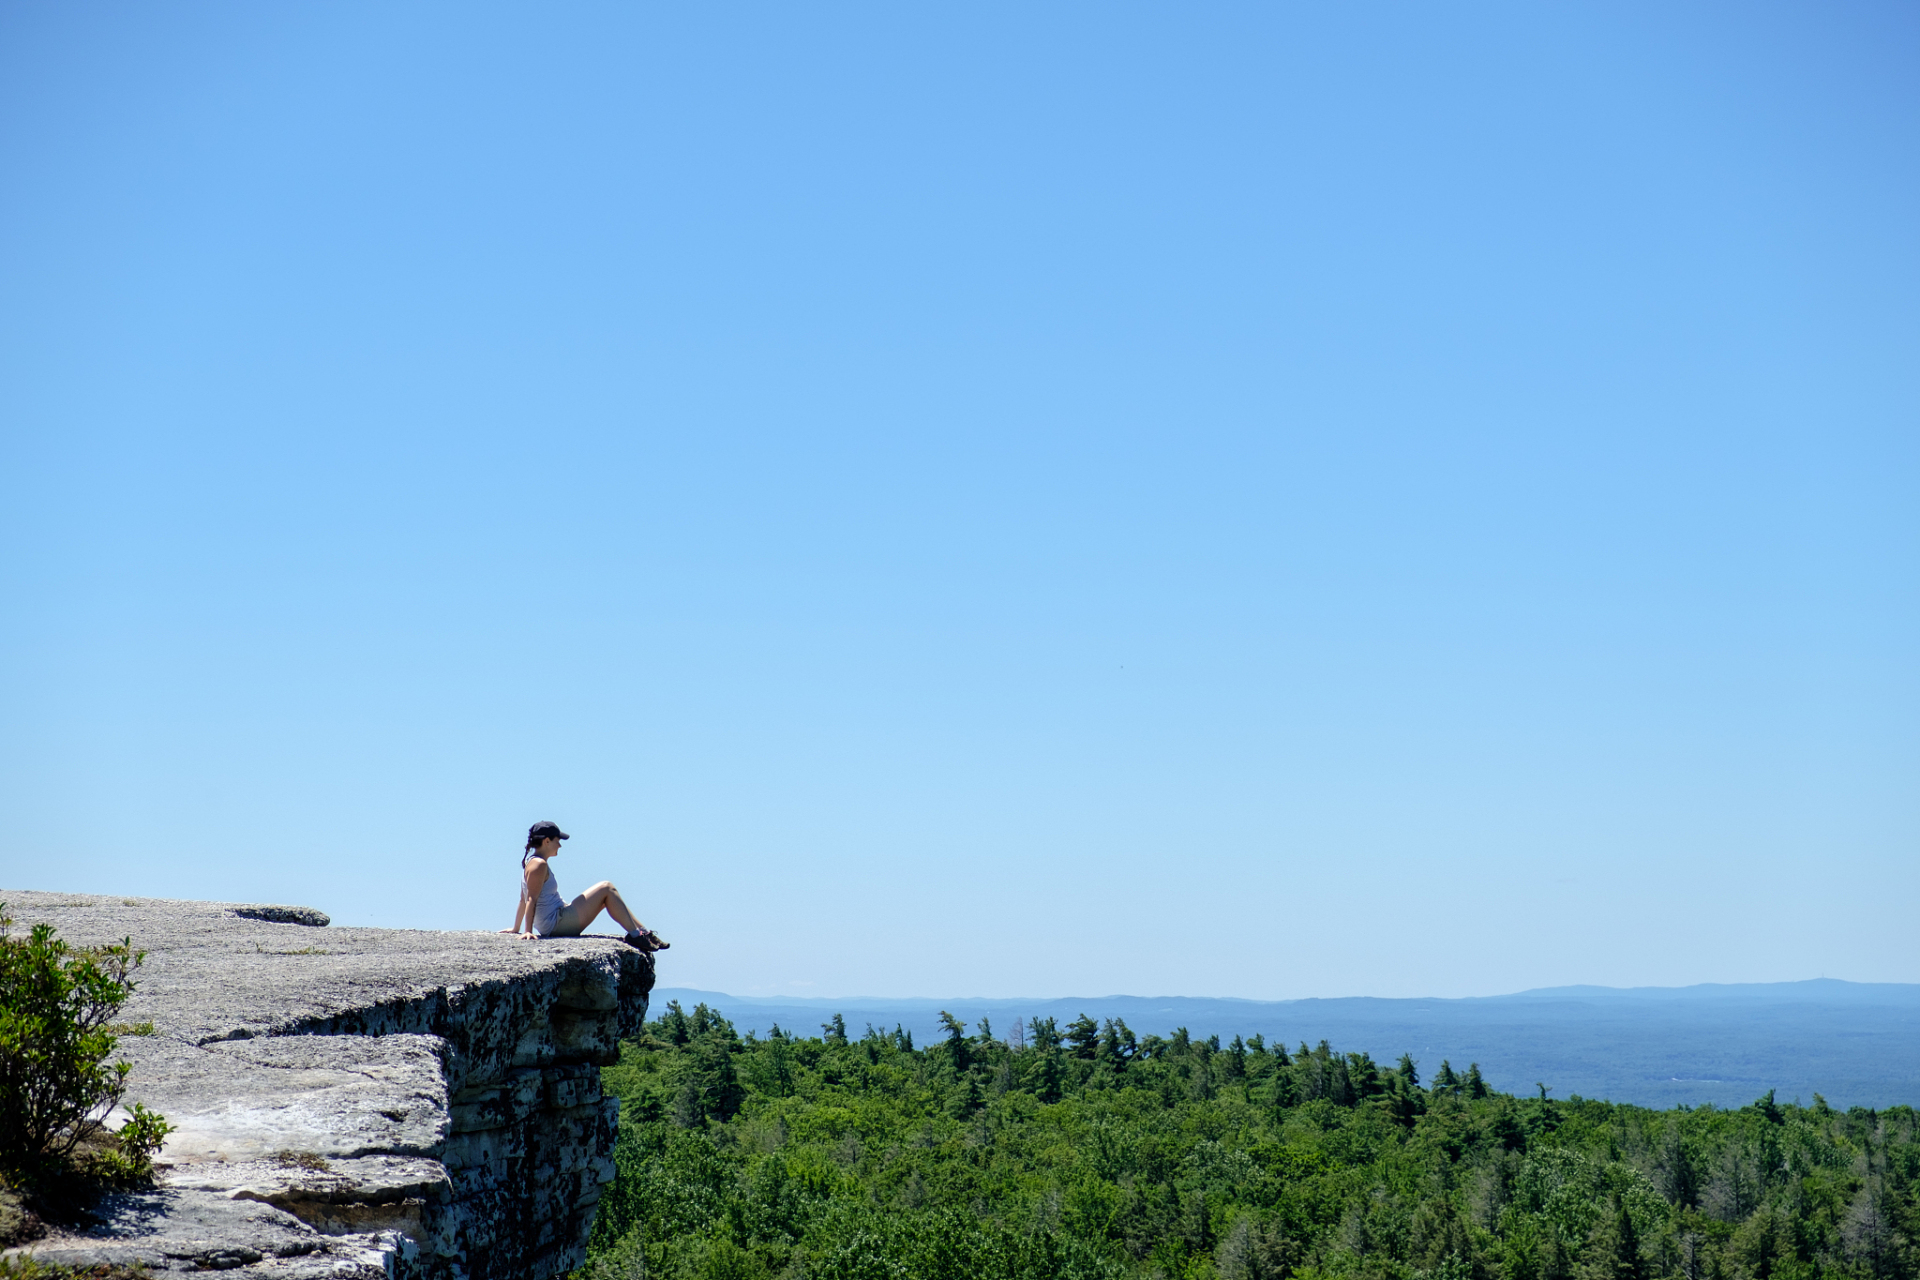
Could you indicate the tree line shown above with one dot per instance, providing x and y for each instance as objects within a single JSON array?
[{"x": 1088, "y": 1151}]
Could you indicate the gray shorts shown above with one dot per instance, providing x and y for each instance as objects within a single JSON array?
[{"x": 570, "y": 922}]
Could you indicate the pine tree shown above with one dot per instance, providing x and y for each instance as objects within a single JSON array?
[
  {"x": 1340, "y": 1089},
  {"x": 719, "y": 1083},
  {"x": 686, "y": 1106},
  {"x": 1052, "y": 1074},
  {"x": 965, "y": 1100},
  {"x": 1200, "y": 1082},
  {"x": 1313, "y": 1077},
  {"x": 1868, "y": 1233},
  {"x": 1476, "y": 1085},
  {"x": 1363, "y": 1077},
  {"x": 1614, "y": 1251},
  {"x": 1083, "y": 1033},
  {"x": 1251, "y": 1252},
  {"x": 780, "y": 1060},
  {"x": 956, "y": 1041},
  {"x": 706, "y": 1020},
  {"x": 1678, "y": 1179},
  {"x": 836, "y": 1031},
  {"x": 1404, "y": 1101}
]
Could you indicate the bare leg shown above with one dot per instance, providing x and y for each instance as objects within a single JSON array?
[{"x": 604, "y": 897}]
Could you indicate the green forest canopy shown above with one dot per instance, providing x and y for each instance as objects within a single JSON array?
[{"x": 1086, "y": 1151}]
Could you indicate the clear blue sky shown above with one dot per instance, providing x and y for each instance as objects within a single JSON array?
[{"x": 1263, "y": 500}]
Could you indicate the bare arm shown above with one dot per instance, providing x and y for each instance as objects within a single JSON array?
[
  {"x": 523, "y": 910},
  {"x": 536, "y": 878}
]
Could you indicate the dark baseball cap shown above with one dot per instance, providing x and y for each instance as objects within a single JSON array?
[{"x": 545, "y": 831}]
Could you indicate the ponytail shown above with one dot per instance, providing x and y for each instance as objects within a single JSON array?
[{"x": 538, "y": 832}]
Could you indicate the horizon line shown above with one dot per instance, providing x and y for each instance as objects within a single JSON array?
[{"x": 1253, "y": 1000}]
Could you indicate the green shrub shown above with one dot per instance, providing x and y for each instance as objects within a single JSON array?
[
  {"x": 27, "y": 1267},
  {"x": 127, "y": 1159},
  {"x": 56, "y": 1003}
]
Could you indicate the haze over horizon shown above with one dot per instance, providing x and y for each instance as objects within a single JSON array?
[
  {"x": 1255, "y": 502},
  {"x": 776, "y": 996}
]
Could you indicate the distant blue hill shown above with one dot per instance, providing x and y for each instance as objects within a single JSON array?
[{"x": 1855, "y": 1043}]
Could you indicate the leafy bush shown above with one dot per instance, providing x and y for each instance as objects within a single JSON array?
[
  {"x": 56, "y": 1003},
  {"x": 28, "y": 1267},
  {"x": 127, "y": 1158}
]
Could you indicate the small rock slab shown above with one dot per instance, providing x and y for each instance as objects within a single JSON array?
[
  {"x": 361, "y": 1180},
  {"x": 181, "y": 1230},
  {"x": 322, "y": 1096},
  {"x": 284, "y": 915}
]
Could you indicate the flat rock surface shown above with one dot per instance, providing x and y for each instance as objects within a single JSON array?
[
  {"x": 228, "y": 996},
  {"x": 323, "y": 1096},
  {"x": 186, "y": 1230},
  {"x": 344, "y": 1181},
  {"x": 304, "y": 1068},
  {"x": 211, "y": 974}
]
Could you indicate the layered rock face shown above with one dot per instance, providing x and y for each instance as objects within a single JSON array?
[{"x": 357, "y": 1102}]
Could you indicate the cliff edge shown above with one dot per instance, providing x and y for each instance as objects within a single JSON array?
[{"x": 356, "y": 1103}]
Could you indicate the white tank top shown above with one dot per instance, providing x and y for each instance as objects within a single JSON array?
[{"x": 548, "y": 908}]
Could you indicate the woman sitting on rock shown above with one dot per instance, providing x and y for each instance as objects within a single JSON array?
[{"x": 542, "y": 914}]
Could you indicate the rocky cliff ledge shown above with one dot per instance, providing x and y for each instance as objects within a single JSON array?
[{"x": 358, "y": 1103}]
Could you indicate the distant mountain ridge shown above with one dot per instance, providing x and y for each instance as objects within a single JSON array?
[
  {"x": 1817, "y": 989},
  {"x": 1855, "y": 1043}
]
